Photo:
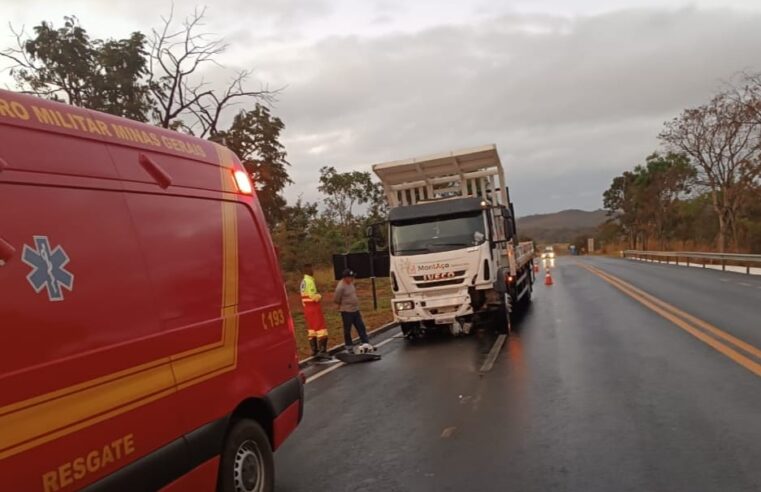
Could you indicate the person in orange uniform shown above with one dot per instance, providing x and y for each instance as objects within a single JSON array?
[{"x": 315, "y": 320}]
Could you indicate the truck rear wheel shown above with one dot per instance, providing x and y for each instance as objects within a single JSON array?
[
  {"x": 529, "y": 291},
  {"x": 247, "y": 464},
  {"x": 504, "y": 321}
]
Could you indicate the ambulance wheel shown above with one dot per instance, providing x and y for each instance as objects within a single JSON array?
[{"x": 247, "y": 464}]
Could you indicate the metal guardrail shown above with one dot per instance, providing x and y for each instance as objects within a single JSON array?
[{"x": 704, "y": 259}]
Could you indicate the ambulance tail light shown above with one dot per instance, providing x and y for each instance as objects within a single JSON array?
[{"x": 243, "y": 182}]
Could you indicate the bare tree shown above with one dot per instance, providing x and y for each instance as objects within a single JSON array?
[
  {"x": 183, "y": 98},
  {"x": 724, "y": 141}
]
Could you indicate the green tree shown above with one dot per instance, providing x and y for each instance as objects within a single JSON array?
[
  {"x": 622, "y": 202},
  {"x": 254, "y": 136},
  {"x": 121, "y": 77},
  {"x": 65, "y": 64},
  {"x": 644, "y": 203},
  {"x": 161, "y": 79},
  {"x": 344, "y": 191},
  {"x": 750, "y": 222},
  {"x": 661, "y": 182},
  {"x": 607, "y": 235},
  {"x": 294, "y": 236},
  {"x": 697, "y": 226},
  {"x": 378, "y": 210}
]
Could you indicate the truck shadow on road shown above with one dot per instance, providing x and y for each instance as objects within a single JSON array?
[
  {"x": 519, "y": 318},
  {"x": 471, "y": 350}
]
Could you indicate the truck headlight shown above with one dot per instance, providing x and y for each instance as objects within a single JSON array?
[{"x": 403, "y": 306}]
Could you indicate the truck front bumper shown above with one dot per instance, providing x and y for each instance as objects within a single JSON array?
[{"x": 440, "y": 309}]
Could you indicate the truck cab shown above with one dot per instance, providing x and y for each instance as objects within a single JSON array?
[{"x": 452, "y": 241}]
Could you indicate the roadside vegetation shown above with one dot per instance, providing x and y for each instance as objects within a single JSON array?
[{"x": 702, "y": 191}]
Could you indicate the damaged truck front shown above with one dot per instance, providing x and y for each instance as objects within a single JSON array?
[{"x": 454, "y": 255}]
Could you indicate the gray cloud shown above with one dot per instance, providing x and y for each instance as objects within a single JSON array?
[
  {"x": 571, "y": 97},
  {"x": 570, "y": 101},
  {"x": 281, "y": 14}
]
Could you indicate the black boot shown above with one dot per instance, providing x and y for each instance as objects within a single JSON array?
[
  {"x": 324, "y": 347},
  {"x": 313, "y": 345}
]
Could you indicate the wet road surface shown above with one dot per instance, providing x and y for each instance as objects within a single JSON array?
[{"x": 600, "y": 388}]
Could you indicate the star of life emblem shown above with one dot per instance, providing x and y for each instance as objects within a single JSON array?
[{"x": 48, "y": 268}]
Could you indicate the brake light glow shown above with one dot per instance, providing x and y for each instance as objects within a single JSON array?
[{"x": 243, "y": 182}]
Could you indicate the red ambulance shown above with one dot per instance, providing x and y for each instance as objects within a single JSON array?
[{"x": 145, "y": 337}]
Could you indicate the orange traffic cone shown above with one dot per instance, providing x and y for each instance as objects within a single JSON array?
[{"x": 548, "y": 278}]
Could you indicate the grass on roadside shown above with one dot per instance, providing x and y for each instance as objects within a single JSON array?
[{"x": 325, "y": 286}]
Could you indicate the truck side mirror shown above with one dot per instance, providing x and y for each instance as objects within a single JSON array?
[{"x": 375, "y": 237}]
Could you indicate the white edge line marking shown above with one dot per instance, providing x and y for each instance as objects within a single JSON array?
[
  {"x": 314, "y": 377},
  {"x": 493, "y": 353},
  {"x": 326, "y": 371},
  {"x": 384, "y": 342}
]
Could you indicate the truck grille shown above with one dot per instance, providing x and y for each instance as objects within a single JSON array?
[
  {"x": 439, "y": 279},
  {"x": 443, "y": 310}
]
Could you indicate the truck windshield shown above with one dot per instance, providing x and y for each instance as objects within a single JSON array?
[{"x": 435, "y": 235}]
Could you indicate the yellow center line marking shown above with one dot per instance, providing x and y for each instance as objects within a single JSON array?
[
  {"x": 750, "y": 349},
  {"x": 670, "y": 313}
]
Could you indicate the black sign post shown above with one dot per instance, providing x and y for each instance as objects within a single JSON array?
[
  {"x": 371, "y": 249},
  {"x": 372, "y": 281},
  {"x": 365, "y": 265}
]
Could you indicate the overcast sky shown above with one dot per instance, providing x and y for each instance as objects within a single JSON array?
[{"x": 572, "y": 92}]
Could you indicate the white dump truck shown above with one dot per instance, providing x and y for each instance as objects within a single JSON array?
[{"x": 454, "y": 251}]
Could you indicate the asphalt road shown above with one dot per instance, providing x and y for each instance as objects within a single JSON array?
[{"x": 596, "y": 391}]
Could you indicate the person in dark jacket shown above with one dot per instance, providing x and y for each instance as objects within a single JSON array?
[{"x": 345, "y": 297}]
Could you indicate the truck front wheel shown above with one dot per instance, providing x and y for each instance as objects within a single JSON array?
[
  {"x": 247, "y": 464},
  {"x": 410, "y": 330}
]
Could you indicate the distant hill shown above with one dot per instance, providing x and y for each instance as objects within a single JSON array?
[{"x": 560, "y": 227}]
